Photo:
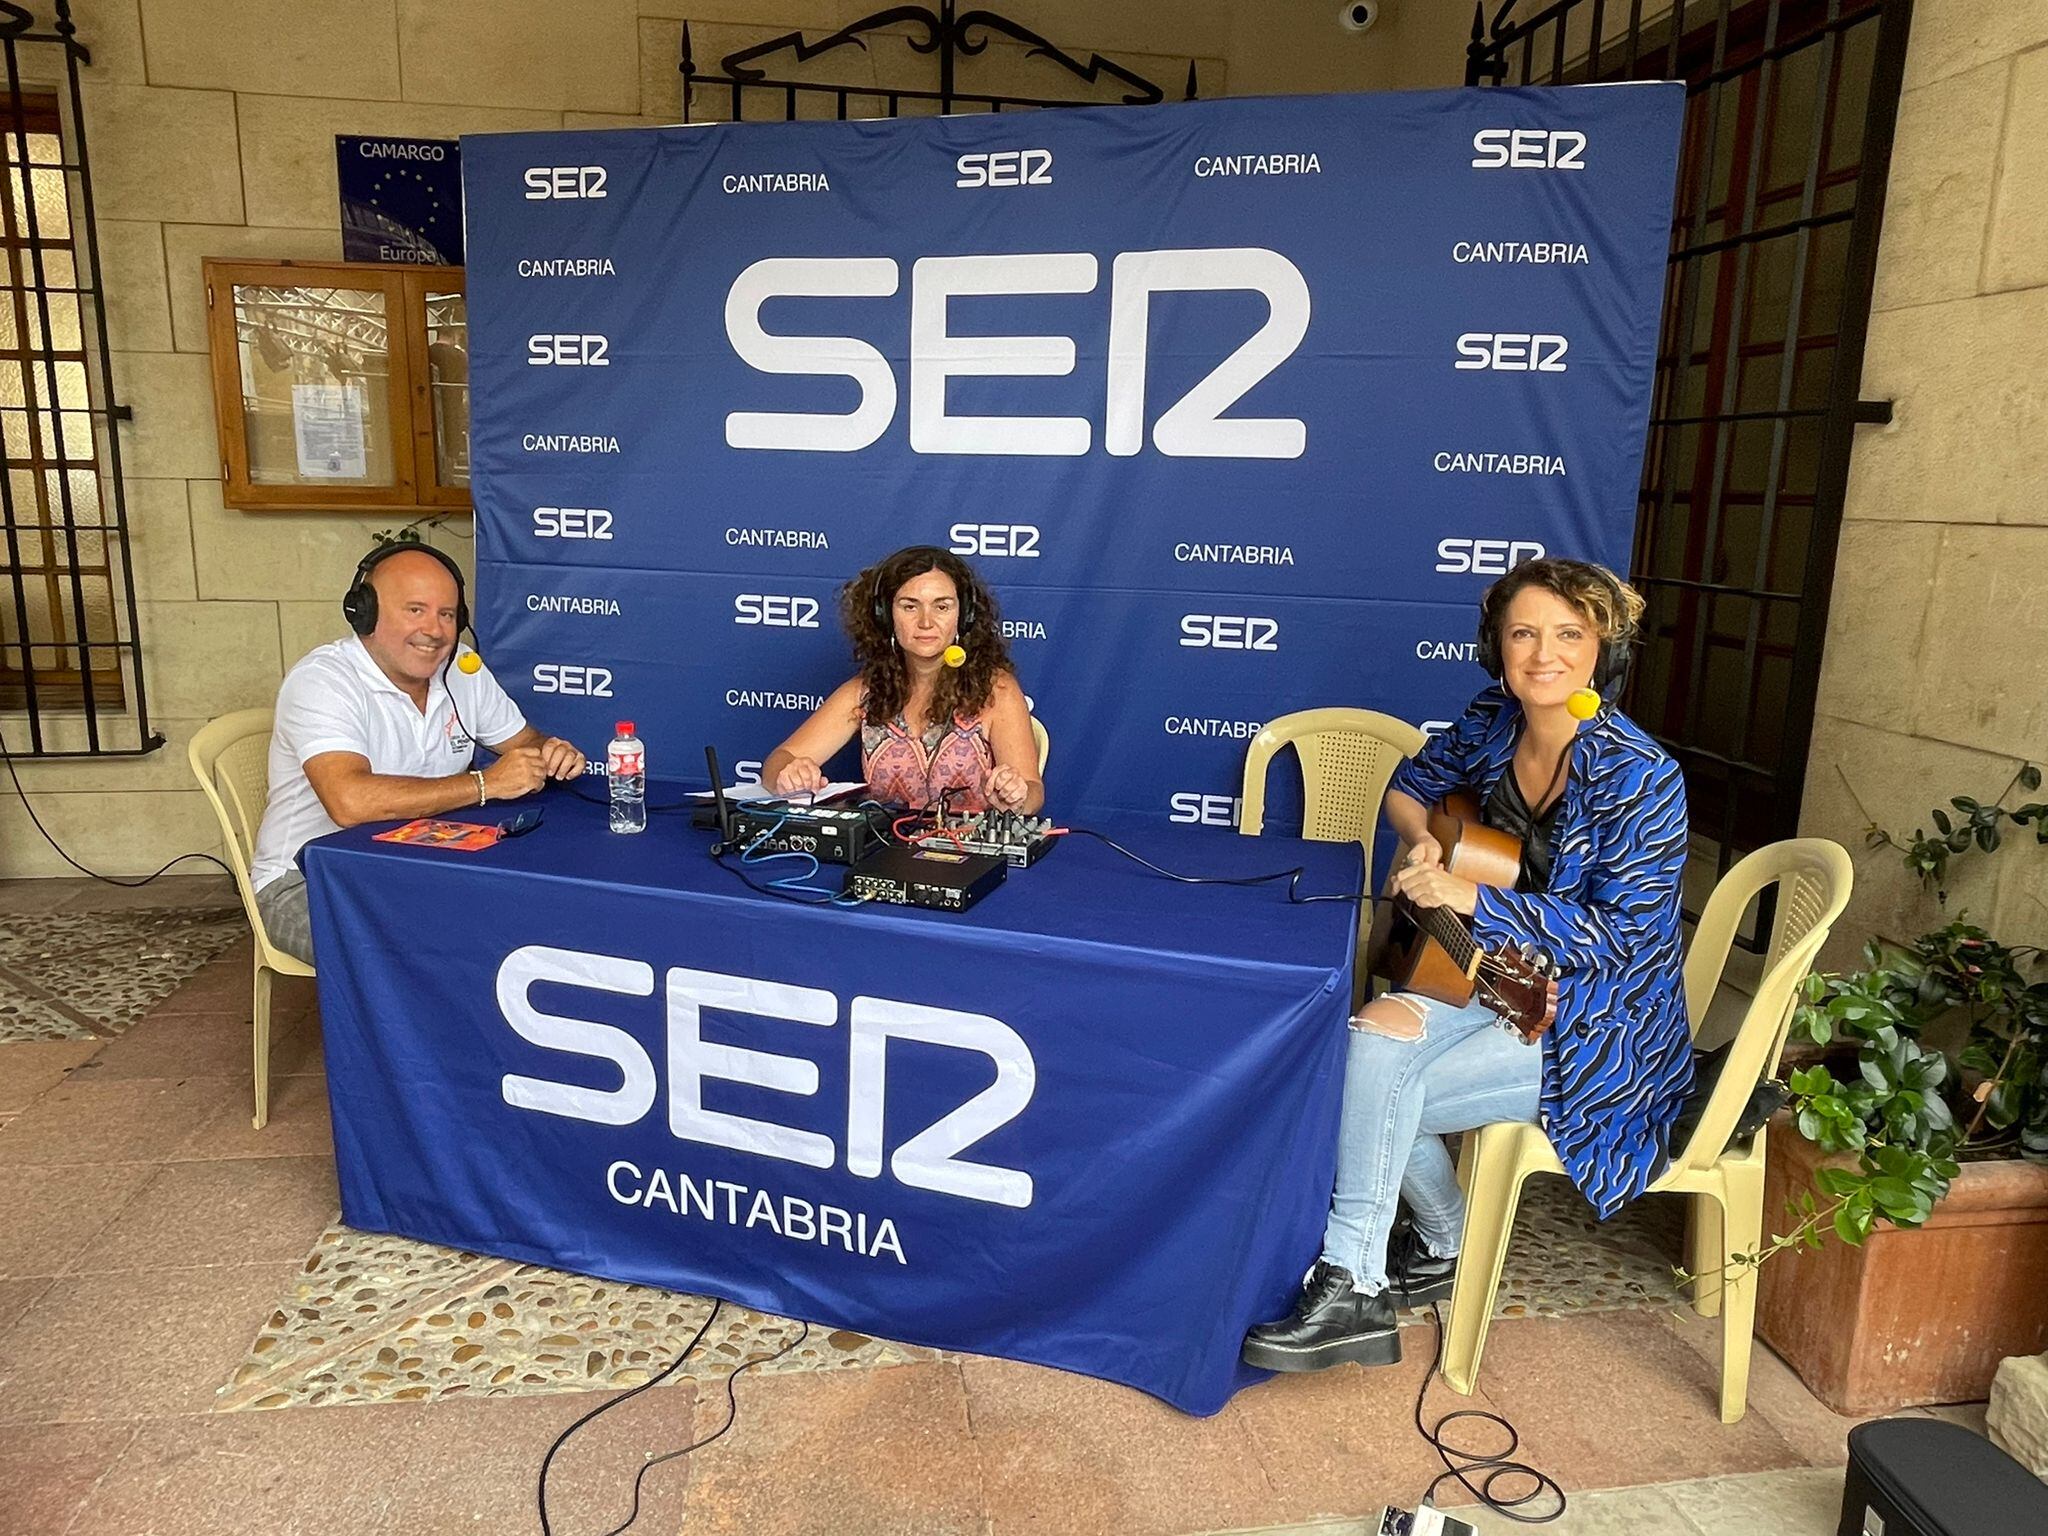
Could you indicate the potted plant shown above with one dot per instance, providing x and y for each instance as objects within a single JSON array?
[{"x": 1918, "y": 1136}]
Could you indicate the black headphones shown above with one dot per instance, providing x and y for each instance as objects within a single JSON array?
[
  {"x": 1615, "y": 650},
  {"x": 359, "y": 603},
  {"x": 940, "y": 561}
]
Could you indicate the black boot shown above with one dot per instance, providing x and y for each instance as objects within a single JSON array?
[
  {"x": 1330, "y": 1323},
  {"x": 1415, "y": 1276}
]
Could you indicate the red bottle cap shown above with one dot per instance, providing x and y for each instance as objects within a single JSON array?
[{"x": 625, "y": 727}]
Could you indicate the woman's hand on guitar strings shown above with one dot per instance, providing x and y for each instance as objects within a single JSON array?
[{"x": 1431, "y": 885}]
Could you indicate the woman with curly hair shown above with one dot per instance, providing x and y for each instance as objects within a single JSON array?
[{"x": 936, "y": 701}]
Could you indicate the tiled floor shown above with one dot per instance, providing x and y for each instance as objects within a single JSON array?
[{"x": 188, "y": 1342}]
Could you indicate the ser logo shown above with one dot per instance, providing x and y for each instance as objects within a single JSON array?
[
  {"x": 572, "y": 523},
  {"x": 1229, "y": 632},
  {"x": 1194, "y": 426},
  {"x": 1201, "y": 810},
  {"x": 929, "y": 1158},
  {"x": 775, "y": 610},
  {"x": 1018, "y": 540},
  {"x": 568, "y": 350},
  {"x": 1512, "y": 352},
  {"x": 1484, "y": 557},
  {"x": 565, "y": 678},
  {"x": 1528, "y": 149},
  {"x": 1005, "y": 168},
  {"x": 556, "y": 183}
]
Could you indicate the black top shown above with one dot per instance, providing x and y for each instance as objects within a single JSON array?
[{"x": 1507, "y": 811}]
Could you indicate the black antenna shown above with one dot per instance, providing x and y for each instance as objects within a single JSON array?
[{"x": 718, "y": 796}]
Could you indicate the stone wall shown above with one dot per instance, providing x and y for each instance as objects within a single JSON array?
[{"x": 1935, "y": 679}]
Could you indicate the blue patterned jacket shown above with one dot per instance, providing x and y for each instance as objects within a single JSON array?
[{"x": 1618, "y": 1061}]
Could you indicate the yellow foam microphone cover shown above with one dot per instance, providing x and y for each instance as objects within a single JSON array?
[
  {"x": 954, "y": 656},
  {"x": 1583, "y": 704},
  {"x": 469, "y": 662}
]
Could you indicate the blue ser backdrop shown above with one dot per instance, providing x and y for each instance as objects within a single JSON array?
[{"x": 1238, "y": 404}]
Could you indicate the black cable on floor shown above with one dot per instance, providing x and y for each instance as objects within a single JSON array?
[
  {"x": 731, "y": 1415},
  {"x": 95, "y": 874},
  {"x": 541, "y": 1493},
  {"x": 1496, "y": 1465}
]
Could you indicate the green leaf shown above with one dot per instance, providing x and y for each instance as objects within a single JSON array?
[
  {"x": 2002, "y": 1108},
  {"x": 2030, "y": 778},
  {"x": 1850, "y": 1227},
  {"x": 1836, "y": 1181},
  {"x": 1942, "y": 821}
]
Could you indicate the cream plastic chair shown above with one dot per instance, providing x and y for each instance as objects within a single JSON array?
[
  {"x": 1044, "y": 743},
  {"x": 230, "y": 758},
  {"x": 1347, "y": 757},
  {"x": 1726, "y": 1182}
]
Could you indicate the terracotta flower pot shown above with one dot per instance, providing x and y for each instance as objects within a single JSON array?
[{"x": 1919, "y": 1315}]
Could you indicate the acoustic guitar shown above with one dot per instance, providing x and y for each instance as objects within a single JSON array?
[{"x": 1430, "y": 950}]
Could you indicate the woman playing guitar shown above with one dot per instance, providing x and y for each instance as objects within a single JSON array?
[{"x": 1599, "y": 811}]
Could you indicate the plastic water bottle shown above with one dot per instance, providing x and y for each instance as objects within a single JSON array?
[{"x": 625, "y": 769}]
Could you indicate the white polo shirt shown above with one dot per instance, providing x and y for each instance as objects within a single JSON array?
[{"x": 338, "y": 700}]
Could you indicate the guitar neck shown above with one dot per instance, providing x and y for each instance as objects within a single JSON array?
[{"x": 1443, "y": 925}]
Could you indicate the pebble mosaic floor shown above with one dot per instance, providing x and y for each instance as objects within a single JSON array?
[
  {"x": 377, "y": 1318},
  {"x": 89, "y": 975},
  {"x": 374, "y": 1318}
]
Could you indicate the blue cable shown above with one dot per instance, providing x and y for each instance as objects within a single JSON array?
[{"x": 795, "y": 882}]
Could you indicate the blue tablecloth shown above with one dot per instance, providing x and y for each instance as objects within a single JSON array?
[{"x": 1090, "y": 1123}]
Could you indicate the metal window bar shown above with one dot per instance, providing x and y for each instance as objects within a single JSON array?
[
  {"x": 1714, "y": 552},
  {"x": 947, "y": 33},
  {"x": 117, "y": 690}
]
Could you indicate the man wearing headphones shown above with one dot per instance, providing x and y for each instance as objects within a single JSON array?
[
  {"x": 382, "y": 725},
  {"x": 1600, "y": 812}
]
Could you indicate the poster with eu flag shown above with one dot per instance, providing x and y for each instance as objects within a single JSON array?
[
  {"x": 401, "y": 200},
  {"x": 1239, "y": 405}
]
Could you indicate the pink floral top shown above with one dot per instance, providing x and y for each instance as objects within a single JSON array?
[{"x": 903, "y": 770}]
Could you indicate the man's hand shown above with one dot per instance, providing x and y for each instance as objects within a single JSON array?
[
  {"x": 1006, "y": 788},
  {"x": 799, "y": 776},
  {"x": 559, "y": 760},
  {"x": 520, "y": 771},
  {"x": 1431, "y": 885}
]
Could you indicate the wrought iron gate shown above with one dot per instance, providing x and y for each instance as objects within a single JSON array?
[
  {"x": 947, "y": 35},
  {"x": 1790, "y": 109},
  {"x": 70, "y": 647}
]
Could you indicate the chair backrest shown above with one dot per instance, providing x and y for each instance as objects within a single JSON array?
[
  {"x": 1044, "y": 742},
  {"x": 231, "y": 759},
  {"x": 1347, "y": 757},
  {"x": 1813, "y": 877}
]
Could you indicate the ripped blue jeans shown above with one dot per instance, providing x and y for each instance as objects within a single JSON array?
[{"x": 1431, "y": 1068}]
